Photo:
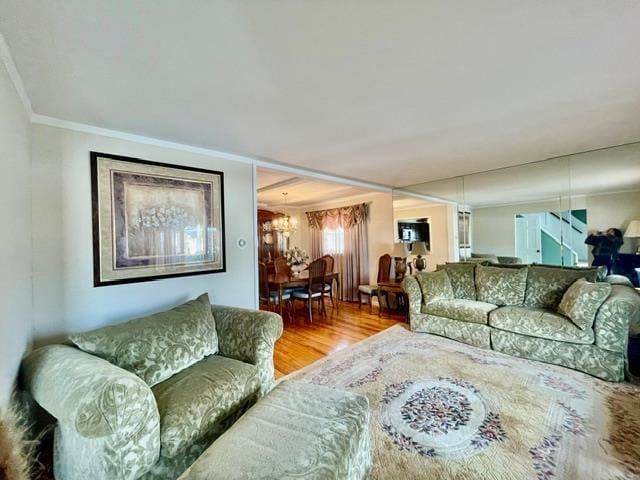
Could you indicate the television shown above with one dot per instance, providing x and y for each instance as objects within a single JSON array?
[{"x": 410, "y": 231}]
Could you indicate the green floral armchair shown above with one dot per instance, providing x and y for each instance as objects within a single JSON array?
[{"x": 112, "y": 424}]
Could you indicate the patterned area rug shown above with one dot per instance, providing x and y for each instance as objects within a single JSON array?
[{"x": 445, "y": 410}]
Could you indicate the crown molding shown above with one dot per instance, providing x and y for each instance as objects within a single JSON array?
[
  {"x": 132, "y": 137},
  {"x": 14, "y": 75},
  {"x": 257, "y": 162}
]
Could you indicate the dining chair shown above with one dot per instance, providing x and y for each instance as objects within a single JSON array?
[
  {"x": 384, "y": 273},
  {"x": 267, "y": 296},
  {"x": 328, "y": 287},
  {"x": 281, "y": 266},
  {"x": 314, "y": 290}
]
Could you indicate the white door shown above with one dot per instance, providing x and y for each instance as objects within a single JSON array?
[{"x": 528, "y": 237}]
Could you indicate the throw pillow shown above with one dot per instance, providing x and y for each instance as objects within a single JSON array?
[
  {"x": 462, "y": 277},
  {"x": 546, "y": 285},
  {"x": 501, "y": 286},
  {"x": 582, "y": 300},
  {"x": 157, "y": 346},
  {"x": 434, "y": 286}
]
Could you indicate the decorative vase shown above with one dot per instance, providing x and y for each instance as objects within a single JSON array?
[{"x": 296, "y": 269}]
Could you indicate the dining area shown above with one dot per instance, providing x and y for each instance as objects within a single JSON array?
[{"x": 292, "y": 282}]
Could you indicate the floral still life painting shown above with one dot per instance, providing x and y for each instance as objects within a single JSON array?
[{"x": 153, "y": 220}]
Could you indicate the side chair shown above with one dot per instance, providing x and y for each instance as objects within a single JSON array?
[{"x": 314, "y": 291}]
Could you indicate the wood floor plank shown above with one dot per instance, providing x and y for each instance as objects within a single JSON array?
[{"x": 304, "y": 342}]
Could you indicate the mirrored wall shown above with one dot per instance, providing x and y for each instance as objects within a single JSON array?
[{"x": 574, "y": 210}]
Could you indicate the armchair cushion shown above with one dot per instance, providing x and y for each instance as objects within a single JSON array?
[
  {"x": 434, "y": 285},
  {"x": 582, "y": 300},
  {"x": 195, "y": 404},
  {"x": 157, "y": 346},
  {"x": 368, "y": 289},
  {"x": 501, "y": 286}
]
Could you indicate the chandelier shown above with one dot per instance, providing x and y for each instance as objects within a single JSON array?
[{"x": 285, "y": 224}]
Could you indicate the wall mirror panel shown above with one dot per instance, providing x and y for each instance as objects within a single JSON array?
[{"x": 575, "y": 210}]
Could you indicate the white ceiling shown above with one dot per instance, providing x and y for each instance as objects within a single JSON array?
[
  {"x": 384, "y": 91},
  {"x": 301, "y": 192}
]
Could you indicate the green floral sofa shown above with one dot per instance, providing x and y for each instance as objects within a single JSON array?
[
  {"x": 145, "y": 398},
  {"x": 550, "y": 314}
]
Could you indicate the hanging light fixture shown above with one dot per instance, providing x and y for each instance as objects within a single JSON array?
[{"x": 285, "y": 224}]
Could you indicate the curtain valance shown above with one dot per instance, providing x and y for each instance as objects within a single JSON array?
[{"x": 345, "y": 217}]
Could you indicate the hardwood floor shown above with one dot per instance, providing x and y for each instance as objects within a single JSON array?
[{"x": 303, "y": 342}]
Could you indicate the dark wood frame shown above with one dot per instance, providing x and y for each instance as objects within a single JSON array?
[{"x": 97, "y": 282}]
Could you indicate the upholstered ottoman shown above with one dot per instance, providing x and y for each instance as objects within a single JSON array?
[{"x": 299, "y": 430}]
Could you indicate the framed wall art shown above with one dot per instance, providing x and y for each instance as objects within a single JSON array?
[{"x": 154, "y": 220}]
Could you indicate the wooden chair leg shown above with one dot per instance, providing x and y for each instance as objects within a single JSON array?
[
  {"x": 359, "y": 299},
  {"x": 310, "y": 302},
  {"x": 370, "y": 303},
  {"x": 324, "y": 310}
]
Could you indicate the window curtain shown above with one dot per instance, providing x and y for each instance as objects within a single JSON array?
[
  {"x": 316, "y": 243},
  {"x": 353, "y": 264}
]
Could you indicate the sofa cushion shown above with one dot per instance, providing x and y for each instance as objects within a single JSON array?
[
  {"x": 546, "y": 285},
  {"x": 195, "y": 404},
  {"x": 460, "y": 309},
  {"x": 462, "y": 277},
  {"x": 501, "y": 286},
  {"x": 434, "y": 286},
  {"x": 298, "y": 431},
  {"x": 582, "y": 300},
  {"x": 538, "y": 322},
  {"x": 157, "y": 346}
]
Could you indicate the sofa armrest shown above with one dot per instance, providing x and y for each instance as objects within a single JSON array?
[
  {"x": 411, "y": 287},
  {"x": 108, "y": 421},
  {"x": 249, "y": 336},
  {"x": 615, "y": 317}
]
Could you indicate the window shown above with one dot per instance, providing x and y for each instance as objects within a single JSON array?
[{"x": 333, "y": 241}]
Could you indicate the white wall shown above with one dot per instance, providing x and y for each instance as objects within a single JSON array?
[
  {"x": 16, "y": 316},
  {"x": 442, "y": 236},
  {"x": 493, "y": 228},
  {"x": 379, "y": 228},
  {"x": 64, "y": 297}
]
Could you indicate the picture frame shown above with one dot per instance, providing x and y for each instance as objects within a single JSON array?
[{"x": 154, "y": 220}]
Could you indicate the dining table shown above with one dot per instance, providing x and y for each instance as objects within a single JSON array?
[{"x": 279, "y": 282}]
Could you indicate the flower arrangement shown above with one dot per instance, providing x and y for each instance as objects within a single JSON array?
[
  {"x": 167, "y": 216},
  {"x": 296, "y": 257}
]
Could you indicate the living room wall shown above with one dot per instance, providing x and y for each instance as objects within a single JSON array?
[
  {"x": 16, "y": 318},
  {"x": 64, "y": 297}
]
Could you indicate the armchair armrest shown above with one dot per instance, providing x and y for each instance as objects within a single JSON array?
[
  {"x": 249, "y": 336},
  {"x": 108, "y": 421},
  {"x": 617, "y": 314},
  {"x": 411, "y": 287}
]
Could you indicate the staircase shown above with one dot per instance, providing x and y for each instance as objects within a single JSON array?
[{"x": 568, "y": 232}]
